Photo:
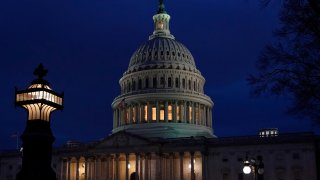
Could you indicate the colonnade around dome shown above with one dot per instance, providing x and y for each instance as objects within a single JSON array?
[{"x": 176, "y": 111}]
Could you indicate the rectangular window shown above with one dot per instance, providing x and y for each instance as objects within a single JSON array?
[
  {"x": 170, "y": 112},
  {"x": 161, "y": 112},
  {"x": 154, "y": 113}
]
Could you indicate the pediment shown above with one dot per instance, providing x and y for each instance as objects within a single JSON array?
[{"x": 122, "y": 139}]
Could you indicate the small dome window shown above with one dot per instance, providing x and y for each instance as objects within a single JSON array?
[
  {"x": 154, "y": 82},
  {"x": 169, "y": 82}
]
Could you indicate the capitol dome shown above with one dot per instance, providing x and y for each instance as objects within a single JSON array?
[
  {"x": 161, "y": 52},
  {"x": 162, "y": 91}
]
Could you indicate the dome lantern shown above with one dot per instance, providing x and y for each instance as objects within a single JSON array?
[{"x": 161, "y": 23}]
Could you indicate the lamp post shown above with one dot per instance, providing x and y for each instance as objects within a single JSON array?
[
  {"x": 39, "y": 100},
  {"x": 254, "y": 166}
]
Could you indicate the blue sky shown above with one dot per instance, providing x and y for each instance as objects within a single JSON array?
[{"x": 87, "y": 45}]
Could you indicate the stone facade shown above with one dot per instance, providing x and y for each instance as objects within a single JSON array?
[{"x": 117, "y": 157}]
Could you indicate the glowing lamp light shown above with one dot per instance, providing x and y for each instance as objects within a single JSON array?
[
  {"x": 39, "y": 99},
  {"x": 129, "y": 165},
  {"x": 246, "y": 168}
]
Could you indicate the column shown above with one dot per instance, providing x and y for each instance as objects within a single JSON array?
[
  {"x": 204, "y": 156},
  {"x": 181, "y": 154},
  {"x": 98, "y": 168},
  {"x": 174, "y": 111},
  {"x": 137, "y": 165},
  {"x": 77, "y": 168},
  {"x": 149, "y": 112},
  {"x": 86, "y": 168},
  {"x": 118, "y": 117},
  {"x": 141, "y": 167},
  {"x": 142, "y": 113},
  {"x": 126, "y": 166},
  {"x": 206, "y": 116},
  {"x": 114, "y": 118},
  {"x": 192, "y": 166},
  {"x": 158, "y": 111},
  {"x": 62, "y": 169},
  {"x": 203, "y": 120},
  {"x": 107, "y": 167},
  {"x": 188, "y": 118},
  {"x": 181, "y": 111},
  {"x": 210, "y": 117},
  {"x": 166, "y": 111},
  {"x": 171, "y": 165},
  {"x": 162, "y": 169},
  {"x": 137, "y": 106},
  {"x": 130, "y": 114},
  {"x": 146, "y": 167},
  {"x": 193, "y": 113},
  {"x": 68, "y": 168},
  {"x": 117, "y": 167},
  {"x": 158, "y": 166},
  {"x": 184, "y": 111}
]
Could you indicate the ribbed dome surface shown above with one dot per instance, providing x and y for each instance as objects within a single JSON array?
[{"x": 162, "y": 52}]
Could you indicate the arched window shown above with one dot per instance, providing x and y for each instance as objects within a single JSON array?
[
  {"x": 183, "y": 83},
  {"x": 147, "y": 82},
  {"x": 177, "y": 82},
  {"x": 129, "y": 87},
  {"x": 194, "y": 86},
  {"x": 162, "y": 81},
  {"x": 124, "y": 88},
  {"x": 154, "y": 82},
  {"x": 169, "y": 82},
  {"x": 189, "y": 84}
]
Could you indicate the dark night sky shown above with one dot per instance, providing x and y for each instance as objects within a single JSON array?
[{"x": 87, "y": 45}]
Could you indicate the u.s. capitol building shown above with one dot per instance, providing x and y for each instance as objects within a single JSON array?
[{"x": 162, "y": 130}]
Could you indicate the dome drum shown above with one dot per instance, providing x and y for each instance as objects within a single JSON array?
[{"x": 168, "y": 80}]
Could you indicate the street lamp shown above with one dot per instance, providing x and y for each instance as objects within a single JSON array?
[
  {"x": 254, "y": 166},
  {"x": 39, "y": 100}
]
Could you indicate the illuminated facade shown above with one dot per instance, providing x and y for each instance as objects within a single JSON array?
[{"x": 162, "y": 129}]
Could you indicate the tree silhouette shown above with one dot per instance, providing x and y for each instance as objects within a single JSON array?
[{"x": 292, "y": 65}]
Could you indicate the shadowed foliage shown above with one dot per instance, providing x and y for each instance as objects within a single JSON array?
[{"x": 292, "y": 65}]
